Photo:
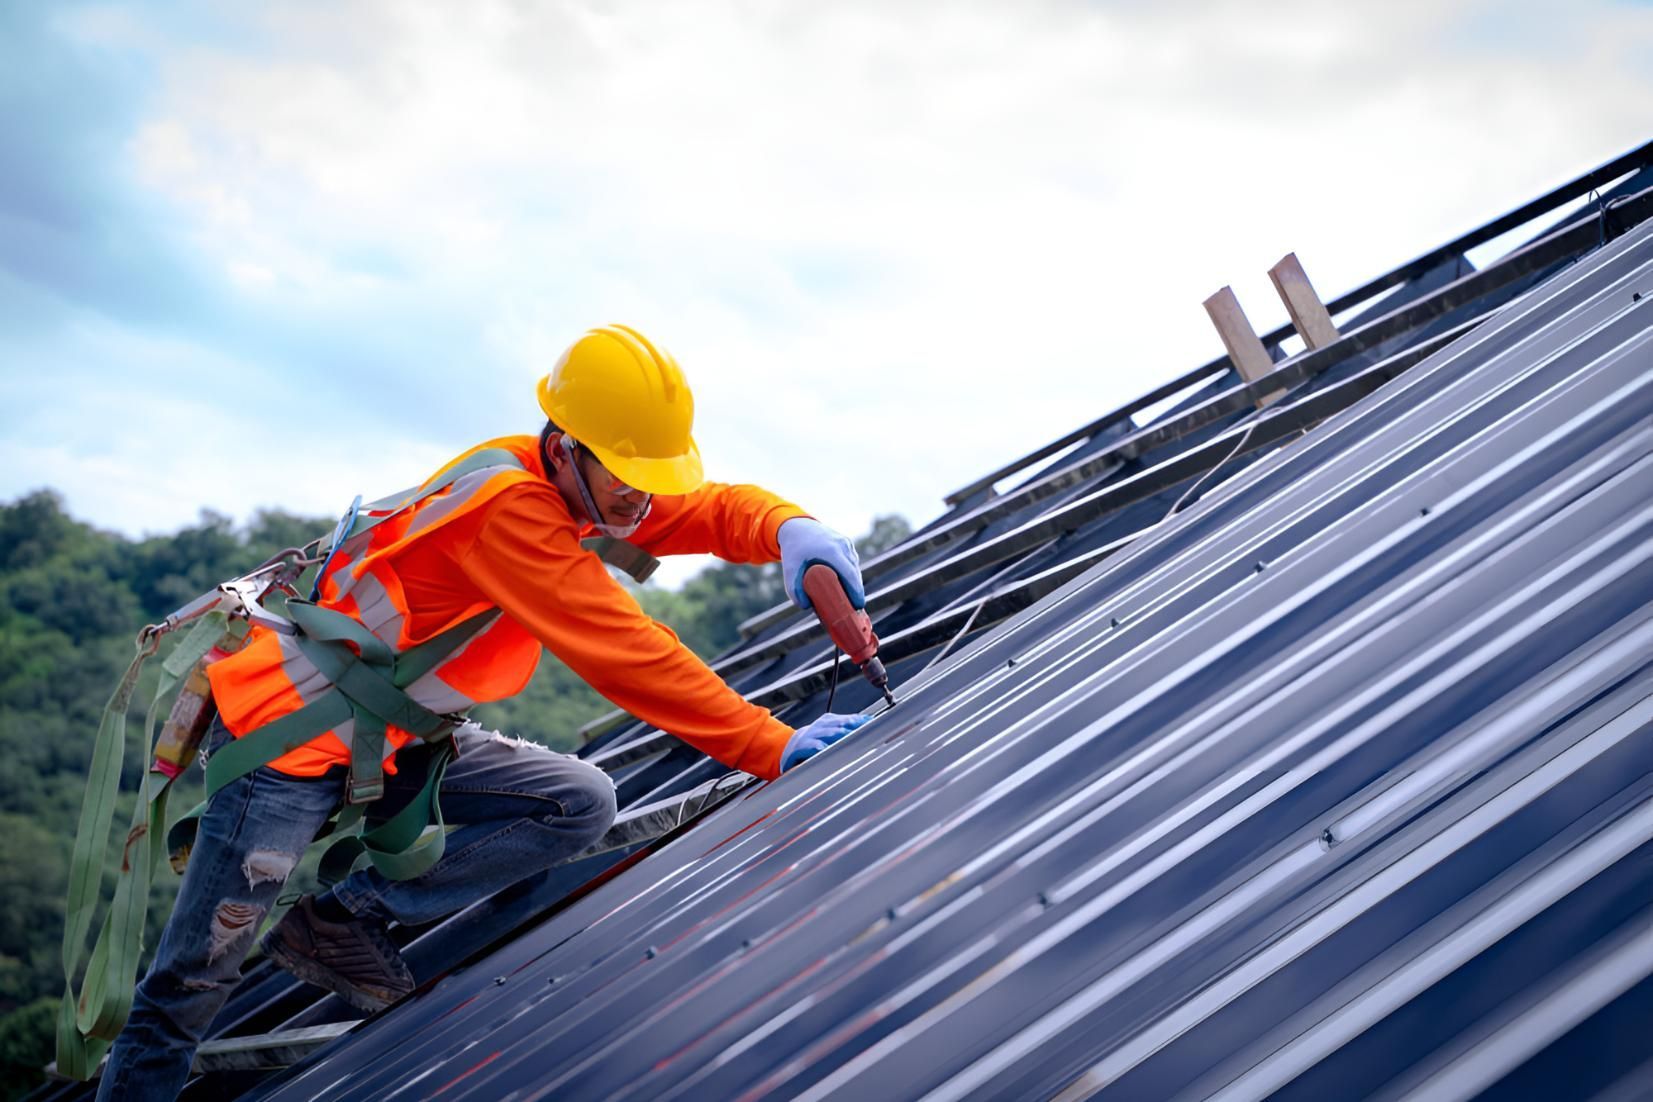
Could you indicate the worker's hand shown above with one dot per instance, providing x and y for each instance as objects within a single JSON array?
[
  {"x": 806, "y": 742},
  {"x": 805, "y": 542}
]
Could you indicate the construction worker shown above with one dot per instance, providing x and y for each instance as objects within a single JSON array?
[{"x": 616, "y": 457}]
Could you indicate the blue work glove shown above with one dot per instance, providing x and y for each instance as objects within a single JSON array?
[
  {"x": 806, "y": 742},
  {"x": 805, "y": 542}
]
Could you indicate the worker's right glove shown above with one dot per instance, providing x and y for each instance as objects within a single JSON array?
[
  {"x": 804, "y": 542},
  {"x": 806, "y": 742}
]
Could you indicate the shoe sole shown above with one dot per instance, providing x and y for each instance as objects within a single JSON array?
[{"x": 319, "y": 975}]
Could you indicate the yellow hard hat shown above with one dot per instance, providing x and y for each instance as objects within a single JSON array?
[{"x": 626, "y": 400}]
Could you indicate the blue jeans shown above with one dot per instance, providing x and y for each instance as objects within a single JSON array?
[{"x": 521, "y": 809}]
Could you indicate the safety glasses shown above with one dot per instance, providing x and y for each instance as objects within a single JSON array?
[
  {"x": 605, "y": 479},
  {"x": 616, "y": 487}
]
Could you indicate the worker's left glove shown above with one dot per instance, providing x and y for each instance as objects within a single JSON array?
[
  {"x": 806, "y": 742},
  {"x": 805, "y": 542}
]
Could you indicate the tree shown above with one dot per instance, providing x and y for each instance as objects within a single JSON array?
[
  {"x": 885, "y": 533},
  {"x": 26, "y": 1041}
]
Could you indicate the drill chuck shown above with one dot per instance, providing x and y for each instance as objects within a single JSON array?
[{"x": 873, "y": 671}]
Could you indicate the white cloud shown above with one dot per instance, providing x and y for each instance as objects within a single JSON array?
[{"x": 893, "y": 245}]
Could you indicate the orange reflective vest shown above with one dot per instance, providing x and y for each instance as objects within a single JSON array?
[{"x": 502, "y": 537}]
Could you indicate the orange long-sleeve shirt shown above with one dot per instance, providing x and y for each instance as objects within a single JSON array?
[{"x": 519, "y": 551}]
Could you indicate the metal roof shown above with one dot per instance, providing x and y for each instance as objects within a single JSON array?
[{"x": 1302, "y": 750}]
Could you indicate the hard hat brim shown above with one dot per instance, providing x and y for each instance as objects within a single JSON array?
[{"x": 677, "y": 474}]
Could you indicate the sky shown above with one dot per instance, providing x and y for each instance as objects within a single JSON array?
[{"x": 274, "y": 255}]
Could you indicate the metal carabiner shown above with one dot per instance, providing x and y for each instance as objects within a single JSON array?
[{"x": 246, "y": 600}]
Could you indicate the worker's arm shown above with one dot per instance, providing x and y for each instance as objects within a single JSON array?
[
  {"x": 735, "y": 523},
  {"x": 523, "y": 554}
]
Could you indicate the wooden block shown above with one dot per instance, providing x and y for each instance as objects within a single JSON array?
[
  {"x": 1308, "y": 313},
  {"x": 1249, "y": 356},
  {"x": 267, "y": 1051}
]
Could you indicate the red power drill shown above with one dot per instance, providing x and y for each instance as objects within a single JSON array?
[{"x": 850, "y": 627}]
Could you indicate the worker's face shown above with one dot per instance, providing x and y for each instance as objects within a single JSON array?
[{"x": 620, "y": 504}]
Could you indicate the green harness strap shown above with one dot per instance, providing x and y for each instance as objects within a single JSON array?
[
  {"x": 271, "y": 741},
  {"x": 391, "y": 845}
]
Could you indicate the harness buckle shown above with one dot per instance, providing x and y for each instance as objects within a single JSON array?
[{"x": 363, "y": 792}]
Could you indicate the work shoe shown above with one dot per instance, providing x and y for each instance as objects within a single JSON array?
[{"x": 354, "y": 959}]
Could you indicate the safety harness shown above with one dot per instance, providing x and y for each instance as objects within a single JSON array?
[{"x": 367, "y": 679}]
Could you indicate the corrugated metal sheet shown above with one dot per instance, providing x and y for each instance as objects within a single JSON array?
[{"x": 1338, "y": 783}]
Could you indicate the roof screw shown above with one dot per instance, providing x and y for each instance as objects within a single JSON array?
[
  {"x": 1010, "y": 663},
  {"x": 651, "y": 952},
  {"x": 1424, "y": 511},
  {"x": 499, "y": 981},
  {"x": 1113, "y": 621},
  {"x": 1261, "y": 566},
  {"x": 1635, "y": 296},
  {"x": 890, "y": 914},
  {"x": 1327, "y": 838},
  {"x": 1044, "y": 900},
  {"x": 745, "y": 943},
  {"x": 552, "y": 980}
]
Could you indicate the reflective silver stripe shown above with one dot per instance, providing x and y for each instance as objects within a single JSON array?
[
  {"x": 308, "y": 680},
  {"x": 343, "y": 579},
  {"x": 430, "y": 690},
  {"x": 456, "y": 496},
  {"x": 436, "y": 694},
  {"x": 347, "y": 577},
  {"x": 349, "y": 556},
  {"x": 341, "y": 576},
  {"x": 376, "y": 611},
  {"x": 300, "y": 670}
]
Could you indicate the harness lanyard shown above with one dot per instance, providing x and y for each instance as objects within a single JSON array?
[{"x": 87, "y": 1024}]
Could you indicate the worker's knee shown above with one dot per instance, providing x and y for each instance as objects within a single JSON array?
[
  {"x": 492, "y": 762},
  {"x": 590, "y": 797}
]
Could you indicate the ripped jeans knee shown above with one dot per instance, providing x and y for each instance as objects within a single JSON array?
[
  {"x": 235, "y": 920},
  {"x": 263, "y": 866},
  {"x": 248, "y": 842},
  {"x": 232, "y": 927}
]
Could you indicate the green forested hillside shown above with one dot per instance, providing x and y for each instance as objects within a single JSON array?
[{"x": 71, "y": 599}]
